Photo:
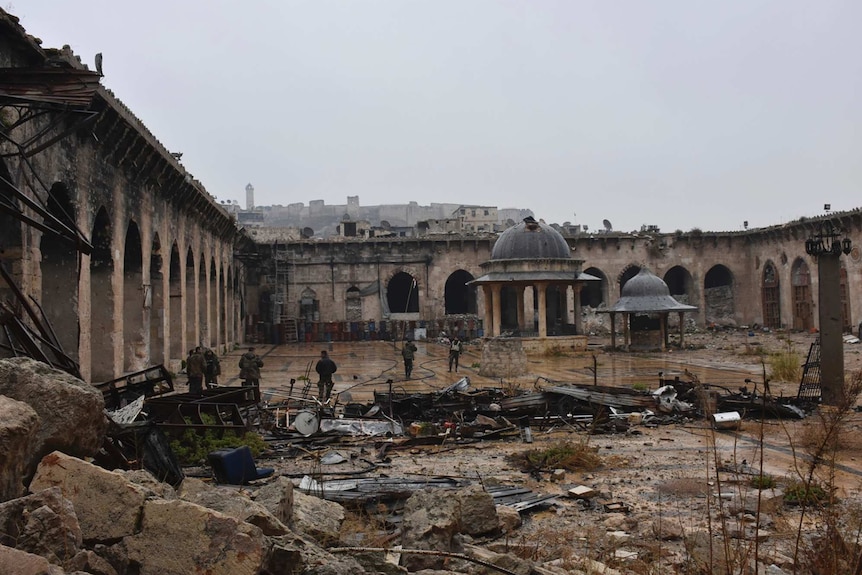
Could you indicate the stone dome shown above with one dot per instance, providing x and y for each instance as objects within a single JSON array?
[
  {"x": 531, "y": 240},
  {"x": 645, "y": 284}
]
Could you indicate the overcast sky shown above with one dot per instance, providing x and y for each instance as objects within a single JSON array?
[{"x": 679, "y": 113}]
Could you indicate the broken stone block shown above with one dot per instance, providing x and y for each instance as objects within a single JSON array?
[
  {"x": 19, "y": 428},
  {"x": 108, "y": 506},
  {"x": 178, "y": 537},
  {"x": 231, "y": 502},
  {"x": 293, "y": 553},
  {"x": 668, "y": 531},
  {"x": 558, "y": 475},
  {"x": 509, "y": 518},
  {"x": 45, "y": 389},
  {"x": 148, "y": 481},
  {"x": 43, "y": 524},
  {"x": 477, "y": 512},
  {"x": 89, "y": 562},
  {"x": 23, "y": 563},
  {"x": 277, "y": 497},
  {"x": 319, "y": 519},
  {"x": 431, "y": 519},
  {"x": 582, "y": 492}
]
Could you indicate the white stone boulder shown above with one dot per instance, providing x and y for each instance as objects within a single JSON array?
[
  {"x": 71, "y": 411},
  {"x": 108, "y": 506},
  {"x": 19, "y": 427},
  {"x": 178, "y": 538},
  {"x": 277, "y": 497}
]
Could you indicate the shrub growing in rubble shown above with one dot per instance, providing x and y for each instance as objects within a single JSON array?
[
  {"x": 785, "y": 365},
  {"x": 567, "y": 455},
  {"x": 193, "y": 447}
]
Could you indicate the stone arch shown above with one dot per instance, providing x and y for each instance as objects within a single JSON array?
[
  {"x": 175, "y": 304},
  {"x": 191, "y": 300},
  {"x": 203, "y": 303},
  {"x": 60, "y": 268},
  {"x": 803, "y": 304},
  {"x": 353, "y": 304},
  {"x": 458, "y": 297},
  {"x": 402, "y": 293},
  {"x": 134, "y": 342},
  {"x": 770, "y": 296},
  {"x": 628, "y": 273},
  {"x": 156, "y": 302},
  {"x": 593, "y": 293},
  {"x": 102, "y": 299},
  {"x": 718, "y": 295},
  {"x": 680, "y": 283}
]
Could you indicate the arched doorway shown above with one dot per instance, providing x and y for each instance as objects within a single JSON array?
[
  {"x": 101, "y": 300},
  {"x": 593, "y": 293},
  {"x": 134, "y": 343},
  {"x": 59, "y": 265},
  {"x": 769, "y": 292},
  {"x": 718, "y": 295},
  {"x": 402, "y": 294},
  {"x": 803, "y": 305},
  {"x": 156, "y": 302},
  {"x": 175, "y": 297},
  {"x": 458, "y": 297},
  {"x": 628, "y": 274}
]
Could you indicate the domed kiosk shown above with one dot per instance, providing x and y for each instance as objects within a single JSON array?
[
  {"x": 531, "y": 289},
  {"x": 646, "y": 304}
]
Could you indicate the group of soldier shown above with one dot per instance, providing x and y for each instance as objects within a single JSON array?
[{"x": 202, "y": 365}]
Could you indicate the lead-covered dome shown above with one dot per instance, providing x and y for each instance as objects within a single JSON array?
[
  {"x": 531, "y": 240},
  {"x": 646, "y": 292}
]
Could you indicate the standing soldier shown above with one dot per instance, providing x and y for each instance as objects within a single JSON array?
[
  {"x": 195, "y": 367},
  {"x": 213, "y": 368},
  {"x": 249, "y": 368},
  {"x": 454, "y": 353},
  {"x": 408, "y": 353},
  {"x": 325, "y": 368}
]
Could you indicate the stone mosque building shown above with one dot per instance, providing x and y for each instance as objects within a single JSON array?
[{"x": 114, "y": 258}]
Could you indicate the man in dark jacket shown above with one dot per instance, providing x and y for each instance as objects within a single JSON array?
[
  {"x": 195, "y": 367},
  {"x": 325, "y": 368},
  {"x": 249, "y": 368}
]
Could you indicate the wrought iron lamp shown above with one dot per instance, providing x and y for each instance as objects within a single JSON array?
[{"x": 826, "y": 241}]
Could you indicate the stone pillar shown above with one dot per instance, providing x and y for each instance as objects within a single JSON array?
[
  {"x": 681, "y": 329},
  {"x": 489, "y": 318},
  {"x": 627, "y": 341},
  {"x": 579, "y": 321},
  {"x": 613, "y": 331},
  {"x": 542, "y": 288},
  {"x": 498, "y": 313},
  {"x": 663, "y": 327},
  {"x": 830, "y": 314},
  {"x": 519, "y": 291}
]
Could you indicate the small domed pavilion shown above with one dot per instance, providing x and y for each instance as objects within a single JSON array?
[
  {"x": 646, "y": 304},
  {"x": 531, "y": 284}
]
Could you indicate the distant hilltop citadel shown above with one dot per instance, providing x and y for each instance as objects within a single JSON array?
[{"x": 352, "y": 219}]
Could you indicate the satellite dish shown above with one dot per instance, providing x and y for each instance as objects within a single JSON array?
[
  {"x": 608, "y": 226},
  {"x": 306, "y": 422}
]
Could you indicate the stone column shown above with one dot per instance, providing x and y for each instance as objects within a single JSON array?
[
  {"x": 498, "y": 314},
  {"x": 489, "y": 318},
  {"x": 681, "y": 330},
  {"x": 579, "y": 321},
  {"x": 830, "y": 315},
  {"x": 613, "y": 331},
  {"x": 626, "y": 332},
  {"x": 663, "y": 327},
  {"x": 519, "y": 291},
  {"x": 542, "y": 298}
]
